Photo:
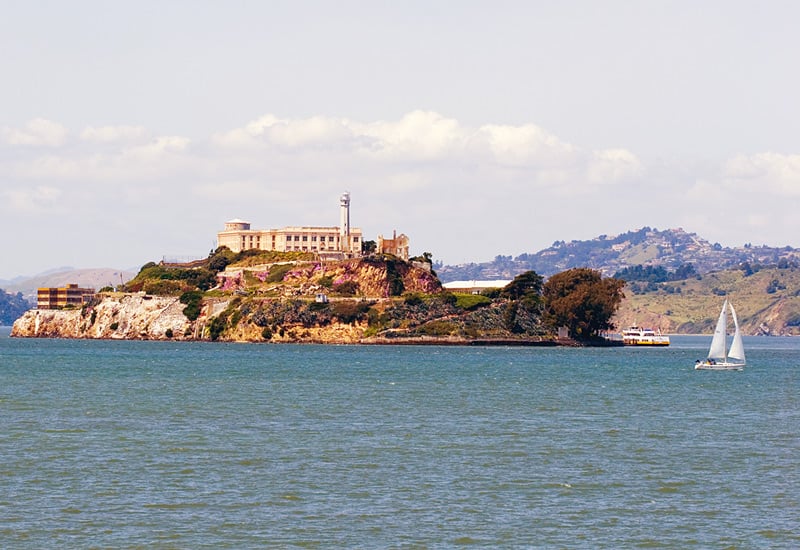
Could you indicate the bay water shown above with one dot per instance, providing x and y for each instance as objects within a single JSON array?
[{"x": 123, "y": 444}]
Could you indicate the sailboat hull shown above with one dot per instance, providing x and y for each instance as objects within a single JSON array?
[{"x": 718, "y": 365}]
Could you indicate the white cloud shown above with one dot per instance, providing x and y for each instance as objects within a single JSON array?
[
  {"x": 418, "y": 135},
  {"x": 614, "y": 166},
  {"x": 526, "y": 145},
  {"x": 766, "y": 173},
  {"x": 111, "y": 134},
  {"x": 38, "y": 132}
]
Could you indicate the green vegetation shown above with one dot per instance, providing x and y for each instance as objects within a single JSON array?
[
  {"x": 277, "y": 272},
  {"x": 193, "y": 300},
  {"x": 469, "y": 302},
  {"x": 162, "y": 280},
  {"x": 582, "y": 300},
  {"x": 349, "y": 312},
  {"x": 346, "y": 288}
]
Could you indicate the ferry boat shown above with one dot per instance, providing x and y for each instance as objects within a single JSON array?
[{"x": 638, "y": 336}]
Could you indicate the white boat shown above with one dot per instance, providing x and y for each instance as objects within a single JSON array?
[
  {"x": 638, "y": 336},
  {"x": 720, "y": 358}
]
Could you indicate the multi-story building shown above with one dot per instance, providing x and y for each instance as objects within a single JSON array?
[
  {"x": 70, "y": 295},
  {"x": 328, "y": 242},
  {"x": 342, "y": 241}
]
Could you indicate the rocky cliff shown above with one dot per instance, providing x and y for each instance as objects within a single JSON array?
[{"x": 122, "y": 316}]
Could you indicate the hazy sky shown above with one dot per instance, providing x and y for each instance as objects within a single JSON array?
[{"x": 130, "y": 131}]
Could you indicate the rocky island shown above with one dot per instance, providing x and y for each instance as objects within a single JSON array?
[{"x": 294, "y": 297}]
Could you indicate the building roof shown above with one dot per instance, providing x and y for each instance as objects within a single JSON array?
[{"x": 476, "y": 284}]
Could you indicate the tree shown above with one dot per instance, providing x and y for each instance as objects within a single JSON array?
[
  {"x": 522, "y": 285},
  {"x": 368, "y": 247},
  {"x": 582, "y": 300},
  {"x": 522, "y": 313}
]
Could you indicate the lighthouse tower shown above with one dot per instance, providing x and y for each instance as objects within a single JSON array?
[{"x": 344, "y": 221}]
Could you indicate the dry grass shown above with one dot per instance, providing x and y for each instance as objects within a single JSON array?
[{"x": 696, "y": 307}]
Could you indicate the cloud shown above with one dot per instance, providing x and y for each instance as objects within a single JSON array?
[
  {"x": 426, "y": 141},
  {"x": 31, "y": 200},
  {"x": 38, "y": 132},
  {"x": 111, "y": 134},
  {"x": 526, "y": 145},
  {"x": 460, "y": 191},
  {"x": 771, "y": 173},
  {"x": 614, "y": 166}
]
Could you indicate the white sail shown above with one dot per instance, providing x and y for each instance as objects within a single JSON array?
[
  {"x": 717, "y": 350},
  {"x": 737, "y": 346}
]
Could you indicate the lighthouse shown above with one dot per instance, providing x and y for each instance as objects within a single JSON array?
[{"x": 344, "y": 221}]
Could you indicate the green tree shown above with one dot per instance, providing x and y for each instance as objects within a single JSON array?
[
  {"x": 524, "y": 284},
  {"x": 523, "y": 311},
  {"x": 368, "y": 247},
  {"x": 582, "y": 300}
]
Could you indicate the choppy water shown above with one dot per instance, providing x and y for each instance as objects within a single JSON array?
[{"x": 195, "y": 445}]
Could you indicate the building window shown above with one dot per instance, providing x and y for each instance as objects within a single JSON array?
[
  {"x": 296, "y": 238},
  {"x": 330, "y": 239},
  {"x": 313, "y": 238},
  {"x": 305, "y": 238},
  {"x": 355, "y": 239}
]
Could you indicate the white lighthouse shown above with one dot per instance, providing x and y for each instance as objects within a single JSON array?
[{"x": 344, "y": 221}]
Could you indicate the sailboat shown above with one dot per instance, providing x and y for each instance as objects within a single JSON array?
[{"x": 718, "y": 357}]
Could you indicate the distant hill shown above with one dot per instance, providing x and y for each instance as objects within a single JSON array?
[
  {"x": 670, "y": 249},
  {"x": 11, "y": 307},
  {"x": 93, "y": 278},
  {"x": 767, "y": 302}
]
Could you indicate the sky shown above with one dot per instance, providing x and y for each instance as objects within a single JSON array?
[{"x": 131, "y": 131}]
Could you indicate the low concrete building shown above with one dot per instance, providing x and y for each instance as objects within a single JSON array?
[
  {"x": 56, "y": 298},
  {"x": 474, "y": 287}
]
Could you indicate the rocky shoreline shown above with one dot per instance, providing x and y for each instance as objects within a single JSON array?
[{"x": 138, "y": 316}]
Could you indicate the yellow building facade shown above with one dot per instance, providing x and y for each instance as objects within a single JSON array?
[{"x": 55, "y": 298}]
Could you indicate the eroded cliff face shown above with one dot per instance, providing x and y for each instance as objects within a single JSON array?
[
  {"x": 120, "y": 316},
  {"x": 144, "y": 317}
]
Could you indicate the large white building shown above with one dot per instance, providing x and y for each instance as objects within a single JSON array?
[{"x": 342, "y": 241}]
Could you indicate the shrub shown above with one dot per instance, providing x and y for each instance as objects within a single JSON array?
[
  {"x": 438, "y": 328},
  {"x": 193, "y": 300},
  {"x": 277, "y": 272},
  {"x": 162, "y": 287},
  {"x": 347, "y": 288},
  {"x": 469, "y": 302},
  {"x": 217, "y": 327},
  {"x": 349, "y": 312},
  {"x": 168, "y": 333}
]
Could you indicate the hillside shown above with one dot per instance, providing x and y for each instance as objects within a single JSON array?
[
  {"x": 11, "y": 307},
  {"x": 670, "y": 249},
  {"x": 767, "y": 302},
  {"x": 91, "y": 278}
]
